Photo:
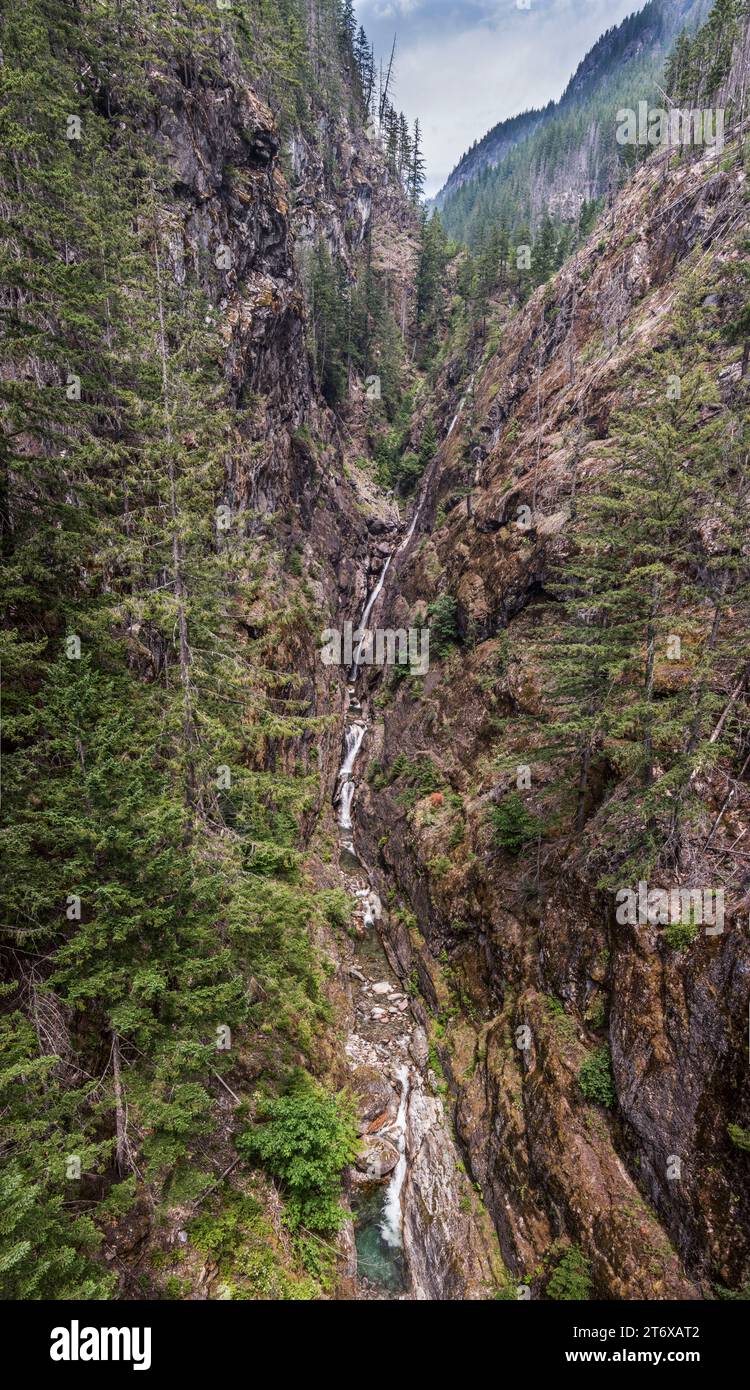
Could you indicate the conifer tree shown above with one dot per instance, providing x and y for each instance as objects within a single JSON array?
[{"x": 417, "y": 167}]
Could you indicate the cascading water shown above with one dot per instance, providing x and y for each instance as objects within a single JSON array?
[
  {"x": 353, "y": 735},
  {"x": 383, "y": 1025},
  {"x": 461, "y": 404},
  {"x": 378, "y": 1214},
  {"x": 345, "y": 806},
  {"x": 392, "y": 1224},
  {"x": 372, "y": 600}
]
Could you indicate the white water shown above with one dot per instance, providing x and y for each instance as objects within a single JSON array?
[
  {"x": 392, "y": 1220},
  {"x": 372, "y": 600},
  {"x": 345, "y": 806},
  {"x": 353, "y": 736},
  {"x": 457, "y": 415},
  {"x": 392, "y": 1224}
]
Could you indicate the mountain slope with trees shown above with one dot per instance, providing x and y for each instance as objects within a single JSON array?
[
  {"x": 167, "y": 455},
  {"x": 547, "y": 162}
]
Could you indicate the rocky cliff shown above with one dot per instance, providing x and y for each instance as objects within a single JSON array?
[{"x": 653, "y": 1191}]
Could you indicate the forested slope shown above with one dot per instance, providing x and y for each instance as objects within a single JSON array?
[
  {"x": 167, "y": 455},
  {"x": 545, "y": 162}
]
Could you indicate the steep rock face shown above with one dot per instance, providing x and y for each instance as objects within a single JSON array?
[
  {"x": 494, "y": 945},
  {"x": 449, "y": 1242},
  {"x": 232, "y": 218},
  {"x": 450, "y": 1249},
  {"x": 236, "y": 221},
  {"x": 235, "y": 217}
]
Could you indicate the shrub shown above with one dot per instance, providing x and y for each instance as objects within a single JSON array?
[
  {"x": 218, "y": 1234},
  {"x": 596, "y": 1014},
  {"x": 571, "y": 1280},
  {"x": 421, "y": 775},
  {"x": 740, "y": 1137},
  {"x": 337, "y": 907},
  {"x": 406, "y": 472},
  {"x": 307, "y": 1137},
  {"x": 512, "y": 825},
  {"x": 742, "y": 1293},
  {"x": 595, "y": 1077},
  {"x": 563, "y": 1024}
]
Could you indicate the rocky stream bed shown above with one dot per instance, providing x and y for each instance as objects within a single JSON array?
[{"x": 419, "y": 1228}]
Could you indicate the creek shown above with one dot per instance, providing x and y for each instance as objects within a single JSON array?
[{"x": 387, "y": 1050}]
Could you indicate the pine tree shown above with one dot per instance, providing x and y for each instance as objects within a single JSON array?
[
  {"x": 404, "y": 148},
  {"x": 417, "y": 167},
  {"x": 365, "y": 61},
  {"x": 328, "y": 293},
  {"x": 143, "y": 891},
  {"x": 544, "y": 254},
  {"x": 432, "y": 261}
]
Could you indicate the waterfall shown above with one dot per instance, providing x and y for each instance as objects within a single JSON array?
[
  {"x": 455, "y": 419},
  {"x": 352, "y": 741},
  {"x": 391, "y": 1226},
  {"x": 345, "y": 806},
  {"x": 372, "y": 600},
  {"x": 367, "y": 611}
]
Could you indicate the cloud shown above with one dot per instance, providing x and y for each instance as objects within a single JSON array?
[
  {"x": 464, "y": 65},
  {"x": 389, "y": 8}
]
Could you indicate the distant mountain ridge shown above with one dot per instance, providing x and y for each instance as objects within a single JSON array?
[
  {"x": 491, "y": 149},
  {"x": 566, "y": 144}
]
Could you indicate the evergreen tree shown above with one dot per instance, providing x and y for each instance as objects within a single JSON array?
[
  {"x": 404, "y": 148},
  {"x": 328, "y": 302},
  {"x": 417, "y": 167},
  {"x": 544, "y": 255},
  {"x": 433, "y": 257}
]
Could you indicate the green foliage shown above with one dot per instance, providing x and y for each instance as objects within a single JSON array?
[
  {"x": 740, "y": 1137},
  {"x": 632, "y": 683},
  {"x": 562, "y": 1022},
  {"x": 45, "y": 1254},
  {"x": 443, "y": 623},
  {"x": 304, "y": 1139},
  {"x": 505, "y": 171},
  {"x": 421, "y": 776},
  {"x": 595, "y": 1077},
  {"x": 571, "y": 1280},
  {"x": 433, "y": 258},
  {"x": 328, "y": 293},
  {"x": 44, "y": 1251},
  {"x": 513, "y": 825},
  {"x": 741, "y": 1295},
  {"x": 145, "y": 902},
  {"x": 238, "y": 1235},
  {"x": 680, "y": 935}
]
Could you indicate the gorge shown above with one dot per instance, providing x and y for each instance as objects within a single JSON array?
[{"x": 313, "y": 983}]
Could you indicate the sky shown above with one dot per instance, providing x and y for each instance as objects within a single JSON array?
[{"x": 464, "y": 65}]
